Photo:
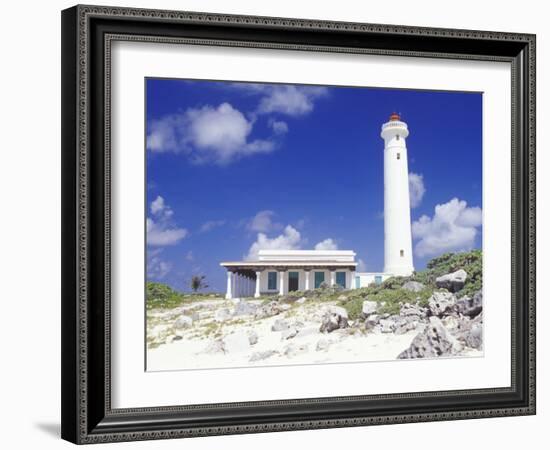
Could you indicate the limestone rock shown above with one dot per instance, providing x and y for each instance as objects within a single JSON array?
[
  {"x": 369, "y": 307},
  {"x": 371, "y": 321},
  {"x": 268, "y": 310},
  {"x": 289, "y": 334},
  {"x": 252, "y": 337},
  {"x": 260, "y": 356},
  {"x": 295, "y": 349},
  {"x": 453, "y": 282},
  {"x": 413, "y": 286},
  {"x": 433, "y": 342},
  {"x": 441, "y": 302},
  {"x": 387, "y": 325},
  {"x": 236, "y": 342},
  {"x": 338, "y": 310},
  {"x": 334, "y": 318},
  {"x": 183, "y": 322},
  {"x": 222, "y": 314},
  {"x": 470, "y": 307},
  {"x": 280, "y": 325},
  {"x": 408, "y": 310},
  {"x": 244, "y": 308},
  {"x": 470, "y": 331}
]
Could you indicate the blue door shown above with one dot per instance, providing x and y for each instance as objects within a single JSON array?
[
  {"x": 378, "y": 279},
  {"x": 319, "y": 278},
  {"x": 341, "y": 279}
]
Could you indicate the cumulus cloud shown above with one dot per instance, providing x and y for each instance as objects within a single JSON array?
[
  {"x": 210, "y": 225},
  {"x": 327, "y": 244},
  {"x": 157, "y": 268},
  {"x": 290, "y": 239},
  {"x": 160, "y": 231},
  {"x": 416, "y": 189},
  {"x": 278, "y": 126},
  {"x": 209, "y": 134},
  {"x": 361, "y": 266},
  {"x": 285, "y": 99},
  {"x": 453, "y": 227},
  {"x": 290, "y": 100},
  {"x": 263, "y": 222}
]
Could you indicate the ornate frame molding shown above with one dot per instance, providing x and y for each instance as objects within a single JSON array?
[{"x": 84, "y": 421}]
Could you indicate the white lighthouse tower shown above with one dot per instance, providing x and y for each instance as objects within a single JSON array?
[{"x": 398, "y": 259}]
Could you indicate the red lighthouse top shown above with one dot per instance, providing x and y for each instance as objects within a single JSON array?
[{"x": 394, "y": 116}]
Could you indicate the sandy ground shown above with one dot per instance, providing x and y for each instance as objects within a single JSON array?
[{"x": 199, "y": 346}]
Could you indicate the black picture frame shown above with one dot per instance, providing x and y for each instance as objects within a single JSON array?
[{"x": 87, "y": 415}]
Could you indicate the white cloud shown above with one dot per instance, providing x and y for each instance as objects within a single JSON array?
[
  {"x": 416, "y": 189},
  {"x": 452, "y": 228},
  {"x": 208, "y": 135},
  {"x": 157, "y": 268},
  {"x": 290, "y": 100},
  {"x": 278, "y": 126},
  {"x": 158, "y": 235},
  {"x": 263, "y": 222},
  {"x": 289, "y": 240},
  {"x": 327, "y": 244},
  {"x": 283, "y": 99},
  {"x": 160, "y": 231},
  {"x": 189, "y": 256},
  {"x": 210, "y": 225},
  {"x": 361, "y": 266}
]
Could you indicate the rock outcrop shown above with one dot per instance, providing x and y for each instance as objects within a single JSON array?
[
  {"x": 334, "y": 318},
  {"x": 441, "y": 302},
  {"x": 433, "y": 342},
  {"x": 470, "y": 307},
  {"x": 453, "y": 282},
  {"x": 413, "y": 286}
]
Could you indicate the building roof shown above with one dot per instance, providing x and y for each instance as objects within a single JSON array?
[{"x": 285, "y": 263}]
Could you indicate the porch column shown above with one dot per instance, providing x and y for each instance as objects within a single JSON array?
[
  {"x": 257, "y": 291},
  {"x": 237, "y": 282},
  {"x": 228, "y": 293},
  {"x": 307, "y": 275},
  {"x": 281, "y": 283},
  {"x": 332, "y": 277},
  {"x": 352, "y": 279}
]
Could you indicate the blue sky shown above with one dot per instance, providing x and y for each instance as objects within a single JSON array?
[{"x": 235, "y": 167}]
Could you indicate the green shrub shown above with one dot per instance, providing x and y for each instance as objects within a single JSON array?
[
  {"x": 391, "y": 293},
  {"x": 160, "y": 295}
]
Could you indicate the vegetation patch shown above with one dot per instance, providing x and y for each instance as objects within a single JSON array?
[{"x": 160, "y": 295}]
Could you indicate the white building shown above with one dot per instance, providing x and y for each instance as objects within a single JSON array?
[{"x": 282, "y": 271}]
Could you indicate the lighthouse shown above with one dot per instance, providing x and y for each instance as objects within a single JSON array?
[{"x": 398, "y": 259}]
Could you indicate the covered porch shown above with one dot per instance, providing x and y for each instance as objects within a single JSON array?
[{"x": 257, "y": 278}]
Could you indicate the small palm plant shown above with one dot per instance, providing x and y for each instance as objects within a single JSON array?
[{"x": 198, "y": 282}]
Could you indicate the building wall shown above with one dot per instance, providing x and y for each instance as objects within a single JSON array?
[
  {"x": 308, "y": 255},
  {"x": 301, "y": 280},
  {"x": 367, "y": 278}
]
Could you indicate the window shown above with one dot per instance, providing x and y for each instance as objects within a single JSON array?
[
  {"x": 271, "y": 281},
  {"x": 357, "y": 282},
  {"x": 402, "y": 253},
  {"x": 399, "y": 156},
  {"x": 341, "y": 279},
  {"x": 378, "y": 279},
  {"x": 397, "y": 137},
  {"x": 319, "y": 278}
]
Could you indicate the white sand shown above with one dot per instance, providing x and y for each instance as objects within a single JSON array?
[{"x": 345, "y": 345}]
